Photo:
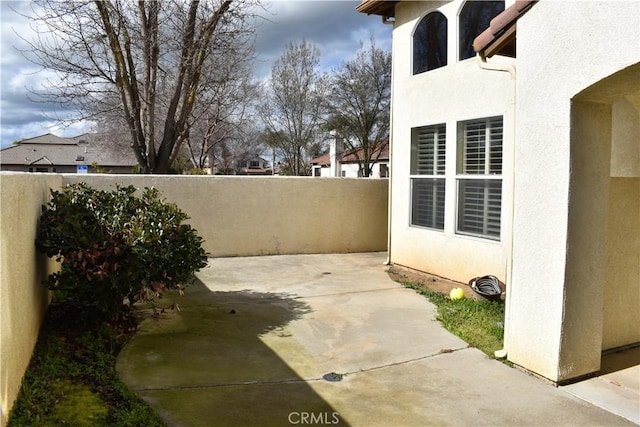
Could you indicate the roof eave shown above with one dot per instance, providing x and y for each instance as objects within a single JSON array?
[
  {"x": 500, "y": 37},
  {"x": 377, "y": 7}
]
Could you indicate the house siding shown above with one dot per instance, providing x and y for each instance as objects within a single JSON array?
[
  {"x": 456, "y": 92},
  {"x": 569, "y": 297},
  {"x": 569, "y": 244}
]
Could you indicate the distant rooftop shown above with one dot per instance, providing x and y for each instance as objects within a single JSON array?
[
  {"x": 49, "y": 149},
  {"x": 380, "y": 154}
]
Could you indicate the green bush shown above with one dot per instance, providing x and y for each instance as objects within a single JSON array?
[{"x": 116, "y": 248}]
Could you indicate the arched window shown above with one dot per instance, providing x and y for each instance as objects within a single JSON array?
[
  {"x": 430, "y": 43},
  {"x": 474, "y": 19}
]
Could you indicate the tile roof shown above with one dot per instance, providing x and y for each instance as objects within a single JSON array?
[
  {"x": 352, "y": 157},
  {"x": 323, "y": 160},
  {"x": 500, "y": 37},
  {"x": 380, "y": 154},
  {"x": 50, "y": 149}
]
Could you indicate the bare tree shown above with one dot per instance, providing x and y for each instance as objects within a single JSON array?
[
  {"x": 150, "y": 54},
  {"x": 225, "y": 102},
  {"x": 223, "y": 158},
  {"x": 243, "y": 144},
  {"x": 292, "y": 107},
  {"x": 359, "y": 105}
]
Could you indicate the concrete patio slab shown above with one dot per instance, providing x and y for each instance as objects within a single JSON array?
[
  {"x": 255, "y": 340},
  {"x": 616, "y": 392}
]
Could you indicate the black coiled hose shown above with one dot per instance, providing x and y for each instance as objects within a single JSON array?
[{"x": 486, "y": 285}]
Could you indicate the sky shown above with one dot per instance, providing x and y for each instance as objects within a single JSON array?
[{"x": 333, "y": 26}]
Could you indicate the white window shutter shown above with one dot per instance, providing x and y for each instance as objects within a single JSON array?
[{"x": 479, "y": 179}]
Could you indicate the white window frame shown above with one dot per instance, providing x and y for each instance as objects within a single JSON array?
[
  {"x": 485, "y": 174},
  {"x": 427, "y": 167}
]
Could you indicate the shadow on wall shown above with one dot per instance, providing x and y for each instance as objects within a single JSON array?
[
  {"x": 23, "y": 297},
  {"x": 208, "y": 361}
]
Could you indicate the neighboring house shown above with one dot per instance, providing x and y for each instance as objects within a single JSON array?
[
  {"x": 50, "y": 153},
  {"x": 242, "y": 164},
  {"x": 338, "y": 163},
  {"x": 523, "y": 161}
]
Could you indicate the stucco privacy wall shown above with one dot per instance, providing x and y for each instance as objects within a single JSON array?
[
  {"x": 456, "y": 92},
  {"x": 555, "y": 301},
  {"x": 244, "y": 216},
  {"x": 23, "y": 299}
]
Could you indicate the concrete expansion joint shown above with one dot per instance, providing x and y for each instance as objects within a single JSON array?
[
  {"x": 302, "y": 380},
  {"x": 237, "y": 384},
  {"x": 408, "y": 361}
]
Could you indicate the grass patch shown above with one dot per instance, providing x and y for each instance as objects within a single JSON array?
[
  {"x": 478, "y": 322},
  {"x": 72, "y": 379}
]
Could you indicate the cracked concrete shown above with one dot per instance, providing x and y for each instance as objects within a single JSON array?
[{"x": 255, "y": 337}]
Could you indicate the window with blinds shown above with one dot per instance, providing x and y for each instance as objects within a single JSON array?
[
  {"x": 427, "y": 176},
  {"x": 479, "y": 181}
]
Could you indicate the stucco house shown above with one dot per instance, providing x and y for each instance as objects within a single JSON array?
[
  {"x": 244, "y": 163},
  {"x": 515, "y": 151},
  {"x": 51, "y": 153},
  {"x": 340, "y": 163}
]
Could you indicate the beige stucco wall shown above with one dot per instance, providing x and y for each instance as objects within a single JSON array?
[
  {"x": 586, "y": 252},
  {"x": 550, "y": 297},
  {"x": 621, "y": 311},
  {"x": 243, "y": 216},
  {"x": 456, "y": 92},
  {"x": 23, "y": 298},
  {"x": 622, "y": 289},
  {"x": 625, "y": 149}
]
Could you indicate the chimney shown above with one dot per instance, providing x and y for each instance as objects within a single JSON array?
[{"x": 335, "y": 154}]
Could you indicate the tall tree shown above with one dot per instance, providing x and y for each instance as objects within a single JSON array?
[
  {"x": 244, "y": 142},
  {"x": 226, "y": 98},
  {"x": 151, "y": 54},
  {"x": 359, "y": 105},
  {"x": 293, "y": 105}
]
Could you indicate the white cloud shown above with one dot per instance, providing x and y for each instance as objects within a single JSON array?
[{"x": 334, "y": 26}]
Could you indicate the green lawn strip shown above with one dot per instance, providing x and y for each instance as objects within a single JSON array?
[
  {"x": 478, "y": 322},
  {"x": 72, "y": 379}
]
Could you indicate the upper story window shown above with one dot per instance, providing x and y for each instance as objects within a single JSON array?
[
  {"x": 430, "y": 43},
  {"x": 475, "y": 17}
]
